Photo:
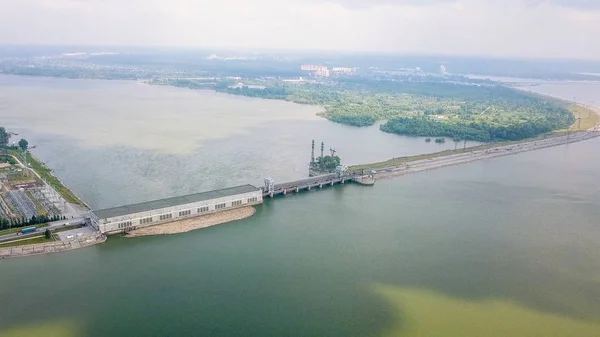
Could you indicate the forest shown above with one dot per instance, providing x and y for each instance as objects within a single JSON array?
[{"x": 457, "y": 107}]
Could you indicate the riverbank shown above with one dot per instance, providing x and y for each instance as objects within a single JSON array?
[
  {"x": 408, "y": 166},
  {"x": 45, "y": 174},
  {"x": 187, "y": 225},
  {"x": 52, "y": 247},
  {"x": 587, "y": 118}
]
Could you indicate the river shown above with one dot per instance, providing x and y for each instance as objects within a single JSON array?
[
  {"x": 138, "y": 142},
  {"x": 499, "y": 247}
]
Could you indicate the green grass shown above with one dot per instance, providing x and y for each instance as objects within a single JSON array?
[
  {"x": 37, "y": 239},
  {"x": 14, "y": 230},
  {"x": 589, "y": 117},
  {"x": 418, "y": 312},
  {"x": 52, "y": 180}
]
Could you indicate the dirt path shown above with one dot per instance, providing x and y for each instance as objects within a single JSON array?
[{"x": 186, "y": 225}]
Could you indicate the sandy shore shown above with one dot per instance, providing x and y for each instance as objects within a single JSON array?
[{"x": 186, "y": 225}]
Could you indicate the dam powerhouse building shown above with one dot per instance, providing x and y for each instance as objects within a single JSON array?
[{"x": 125, "y": 218}]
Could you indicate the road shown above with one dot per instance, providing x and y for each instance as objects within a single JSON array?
[
  {"x": 51, "y": 225},
  {"x": 455, "y": 159}
]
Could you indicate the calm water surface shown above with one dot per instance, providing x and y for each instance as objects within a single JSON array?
[
  {"x": 137, "y": 142},
  {"x": 502, "y": 247}
]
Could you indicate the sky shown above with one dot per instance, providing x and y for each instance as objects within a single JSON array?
[{"x": 498, "y": 28}]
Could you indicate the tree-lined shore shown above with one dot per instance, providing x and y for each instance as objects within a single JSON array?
[{"x": 458, "y": 108}]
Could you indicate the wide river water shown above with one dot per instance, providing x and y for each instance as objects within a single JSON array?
[{"x": 500, "y": 247}]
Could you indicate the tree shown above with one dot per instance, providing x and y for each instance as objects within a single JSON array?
[
  {"x": 327, "y": 163},
  {"x": 23, "y": 143},
  {"x": 47, "y": 234},
  {"x": 4, "y": 136}
]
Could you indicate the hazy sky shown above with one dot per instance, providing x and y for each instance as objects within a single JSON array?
[{"x": 527, "y": 28}]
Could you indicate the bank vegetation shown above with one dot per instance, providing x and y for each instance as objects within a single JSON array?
[{"x": 458, "y": 108}]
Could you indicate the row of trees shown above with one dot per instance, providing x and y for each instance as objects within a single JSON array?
[
  {"x": 4, "y": 137},
  {"x": 23, "y": 222},
  {"x": 426, "y": 127},
  {"x": 268, "y": 93},
  {"x": 483, "y": 132}
]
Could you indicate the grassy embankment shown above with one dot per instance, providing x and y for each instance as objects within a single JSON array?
[
  {"x": 20, "y": 242},
  {"x": 52, "y": 180},
  {"x": 585, "y": 118},
  {"x": 589, "y": 118}
]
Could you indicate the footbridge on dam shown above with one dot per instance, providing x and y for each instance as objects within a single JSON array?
[{"x": 272, "y": 189}]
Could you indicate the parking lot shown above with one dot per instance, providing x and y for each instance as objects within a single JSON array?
[{"x": 76, "y": 233}]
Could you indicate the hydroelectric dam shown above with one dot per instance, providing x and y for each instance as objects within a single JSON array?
[{"x": 123, "y": 219}]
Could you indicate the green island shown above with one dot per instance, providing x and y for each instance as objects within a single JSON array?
[{"x": 459, "y": 108}]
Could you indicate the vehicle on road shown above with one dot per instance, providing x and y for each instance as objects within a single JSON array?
[{"x": 27, "y": 230}]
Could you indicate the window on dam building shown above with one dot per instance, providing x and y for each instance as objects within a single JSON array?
[
  {"x": 203, "y": 209},
  {"x": 145, "y": 220},
  {"x": 236, "y": 203},
  {"x": 184, "y": 213},
  {"x": 125, "y": 224},
  {"x": 220, "y": 206},
  {"x": 165, "y": 216},
  {"x": 253, "y": 199}
]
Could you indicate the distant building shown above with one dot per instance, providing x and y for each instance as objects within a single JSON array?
[
  {"x": 316, "y": 70},
  {"x": 309, "y": 67},
  {"x": 343, "y": 70},
  {"x": 322, "y": 72},
  {"x": 443, "y": 70}
]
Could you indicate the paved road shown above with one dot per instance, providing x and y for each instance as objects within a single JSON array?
[
  {"x": 429, "y": 164},
  {"x": 52, "y": 226}
]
